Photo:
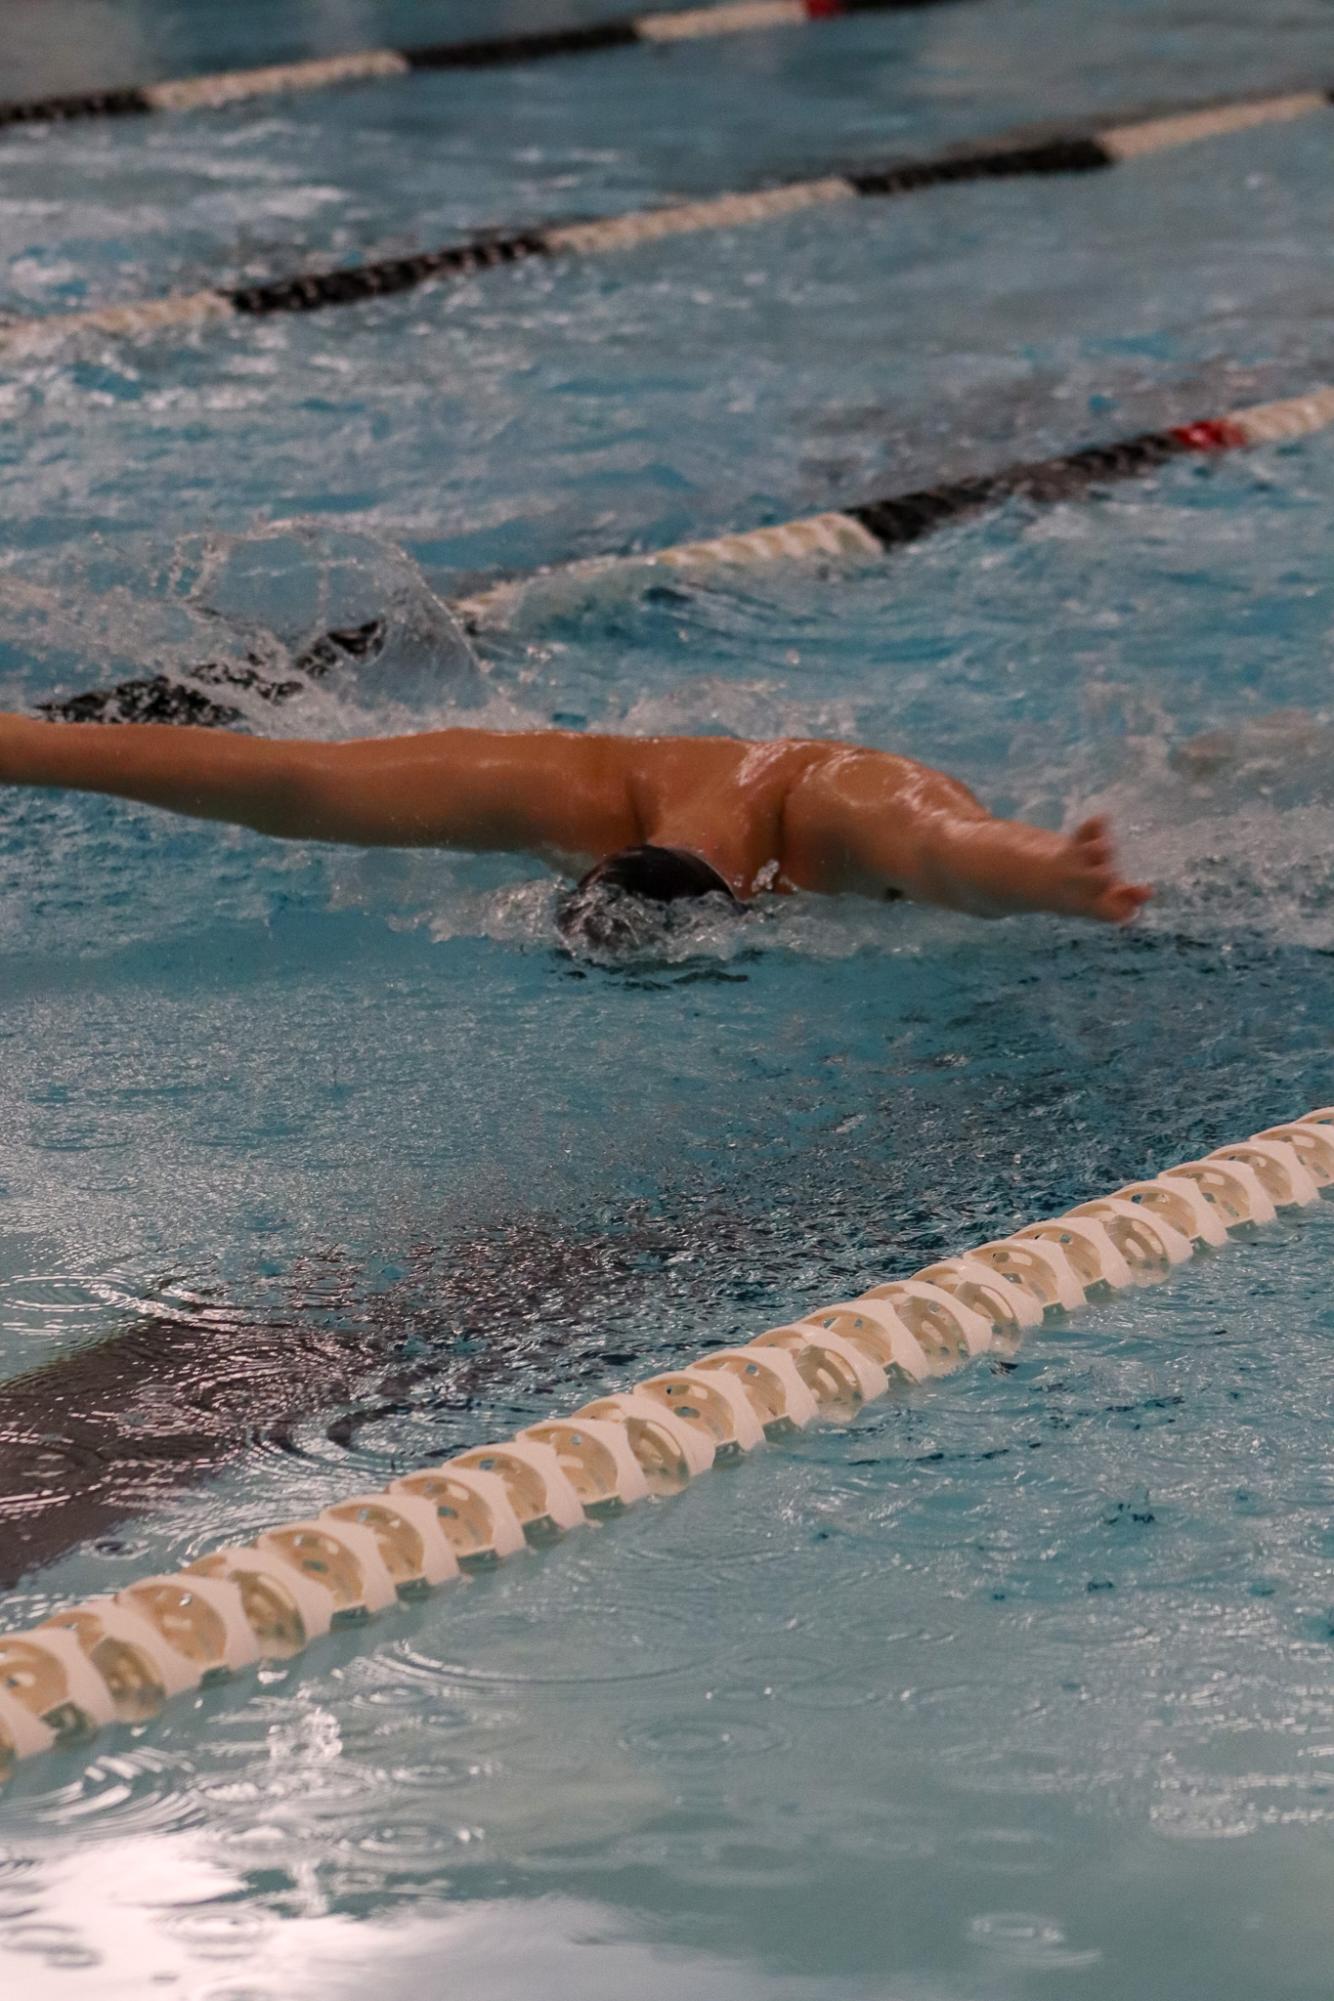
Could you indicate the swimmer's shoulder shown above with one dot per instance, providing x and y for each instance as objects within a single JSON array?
[{"x": 761, "y": 768}]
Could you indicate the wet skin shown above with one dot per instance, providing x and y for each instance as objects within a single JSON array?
[{"x": 788, "y": 814}]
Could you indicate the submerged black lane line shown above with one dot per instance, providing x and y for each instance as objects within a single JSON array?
[{"x": 109, "y": 1432}]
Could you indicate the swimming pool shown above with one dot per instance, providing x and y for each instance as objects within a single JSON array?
[{"x": 1021, "y": 1685}]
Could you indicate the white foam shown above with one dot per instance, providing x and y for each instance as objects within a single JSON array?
[{"x": 1234, "y": 828}]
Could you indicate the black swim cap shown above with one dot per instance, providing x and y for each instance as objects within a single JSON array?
[{"x": 609, "y": 908}]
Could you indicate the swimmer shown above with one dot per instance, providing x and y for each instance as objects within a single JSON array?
[{"x": 651, "y": 819}]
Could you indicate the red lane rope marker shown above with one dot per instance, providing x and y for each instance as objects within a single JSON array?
[
  {"x": 310, "y": 291},
  {"x": 1213, "y": 434},
  {"x": 197, "y": 93}
]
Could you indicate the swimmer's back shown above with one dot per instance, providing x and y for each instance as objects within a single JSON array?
[
  {"x": 790, "y": 813},
  {"x": 786, "y": 813}
]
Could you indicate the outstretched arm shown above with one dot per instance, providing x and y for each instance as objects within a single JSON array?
[
  {"x": 547, "y": 792},
  {"x": 867, "y": 821},
  {"x": 994, "y": 868}
]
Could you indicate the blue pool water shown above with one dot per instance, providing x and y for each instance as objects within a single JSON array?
[{"x": 1021, "y": 1687}]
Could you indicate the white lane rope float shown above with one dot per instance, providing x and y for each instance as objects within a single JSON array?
[
  {"x": 120, "y": 1658},
  {"x": 375, "y": 278},
  {"x": 655, "y": 30}
]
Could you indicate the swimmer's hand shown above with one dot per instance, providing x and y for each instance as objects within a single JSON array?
[
  {"x": 1084, "y": 880},
  {"x": 997, "y": 868}
]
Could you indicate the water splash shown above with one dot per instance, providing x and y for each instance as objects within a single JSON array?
[
  {"x": 1234, "y": 826},
  {"x": 253, "y": 612}
]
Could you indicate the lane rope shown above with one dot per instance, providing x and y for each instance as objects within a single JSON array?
[
  {"x": 840, "y": 537},
  {"x": 120, "y": 1658},
  {"x": 226, "y": 87},
  {"x": 875, "y": 527},
  {"x": 378, "y": 278}
]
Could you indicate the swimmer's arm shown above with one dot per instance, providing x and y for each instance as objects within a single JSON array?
[
  {"x": 998, "y": 868},
  {"x": 869, "y": 823},
  {"x": 544, "y": 792}
]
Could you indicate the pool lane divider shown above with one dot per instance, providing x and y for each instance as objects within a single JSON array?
[
  {"x": 877, "y": 527},
  {"x": 120, "y": 1658},
  {"x": 654, "y": 30},
  {"x": 377, "y": 278},
  {"x": 845, "y": 536}
]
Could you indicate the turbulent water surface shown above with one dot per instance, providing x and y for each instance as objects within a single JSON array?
[{"x": 315, "y": 1165}]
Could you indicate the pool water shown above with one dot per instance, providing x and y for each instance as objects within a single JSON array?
[{"x": 317, "y": 1166}]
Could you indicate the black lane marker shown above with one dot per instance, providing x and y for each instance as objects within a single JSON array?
[
  {"x": 875, "y": 526},
  {"x": 1077, "y": 153},
  {"x": 498, "y": 49},
  {"x": 81, "y": 104},
  {"x": 309, "y": 291},
  {"x": 910, "y": 516},
  {"x": 113, "y": 1429}
]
